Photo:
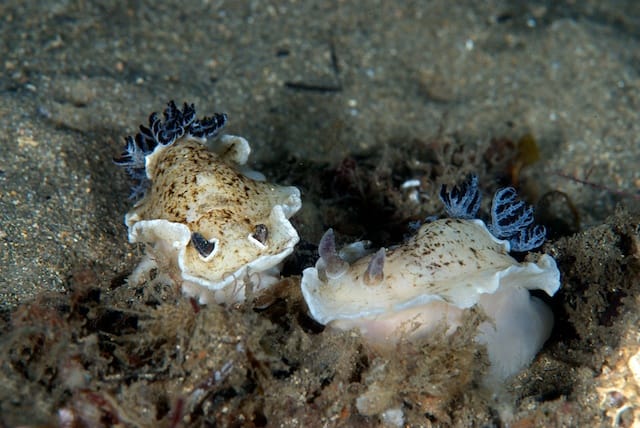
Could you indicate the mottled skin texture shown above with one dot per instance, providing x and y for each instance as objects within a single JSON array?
[
  {"x": 196, "y": 187},
  {"x": 433, "y": 259},
  {"x": 453, "y": 260}
]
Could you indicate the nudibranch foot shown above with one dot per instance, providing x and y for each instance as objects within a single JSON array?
[{"x": 219, "y": 226}]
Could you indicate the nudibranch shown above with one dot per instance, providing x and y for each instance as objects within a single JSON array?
[
  {"x": 216, "y": 225},
  {"x": 446, "y": 267}
]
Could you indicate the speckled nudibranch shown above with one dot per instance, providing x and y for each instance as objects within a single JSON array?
[
  {"x": 446, "y": 267},
  {"x": 215, "y": 225}
]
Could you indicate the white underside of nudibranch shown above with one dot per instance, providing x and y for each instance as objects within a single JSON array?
[{"x": 448, "y": 266}]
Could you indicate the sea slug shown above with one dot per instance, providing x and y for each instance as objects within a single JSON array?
[
  {"x": 209, "y": 221},
  {"x": 446, "y": 267}
]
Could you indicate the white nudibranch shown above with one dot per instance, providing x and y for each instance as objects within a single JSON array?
[
  {"x": 214, "y": 224},
  {"x": 448, "y": 266}
]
